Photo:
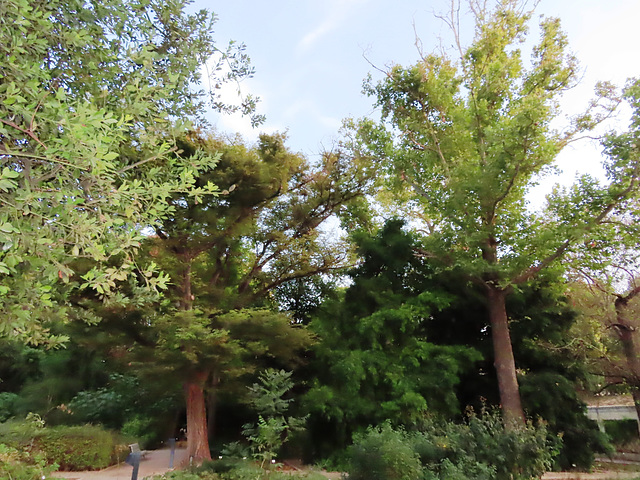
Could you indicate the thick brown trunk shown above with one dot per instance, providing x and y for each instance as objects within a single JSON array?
[
  {"x": 504, "y": 363},
  {"x": 197, "y": 438},
  {"x": 625, "y": 333}
]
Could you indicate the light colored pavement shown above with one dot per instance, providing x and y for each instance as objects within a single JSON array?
[
  {"x": 590, "y": 476},
  {"x": 155, "y": 462}
]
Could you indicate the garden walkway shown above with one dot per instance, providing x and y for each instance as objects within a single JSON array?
[{"x": 154, "y": 463}]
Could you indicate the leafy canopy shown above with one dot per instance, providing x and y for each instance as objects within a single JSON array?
[{"x": 92, "y": 94}]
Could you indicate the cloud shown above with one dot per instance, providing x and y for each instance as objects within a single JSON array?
[
  {"x": 338, "y": 12},
  {"x": 231, "y": 93}
]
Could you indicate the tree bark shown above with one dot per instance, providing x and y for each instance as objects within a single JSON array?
[
  {"x": 197, "y": 438},
  {"x": 504, "y": 363},
  {"x": 625, "y": 334}
]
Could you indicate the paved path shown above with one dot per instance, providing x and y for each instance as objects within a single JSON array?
[
  {"x": 154, "y": 463},
  {"x": 590, "y": 476}
]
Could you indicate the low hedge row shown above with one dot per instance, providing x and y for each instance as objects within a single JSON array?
[{"x": 73, "y": 448}]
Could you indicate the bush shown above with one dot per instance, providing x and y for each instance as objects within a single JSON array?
[
  {"x": 8, "y": 404},
  {"x": 383, "y": 453},
  {"x": 142, "y": 429},
  {"x": 75, "y": 448},
  {"x": 18, "y": 465},
  {"x": 480, "y": 449},
  {"x": 621, "y": 431},
  {"x": 553, "y": 397}
]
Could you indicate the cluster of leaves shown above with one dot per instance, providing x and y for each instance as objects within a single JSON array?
[
  {"x": 463, "y": 141},
  {"x": 273, "y": 428},
  {"x": 87, "y": 160},
  {"x": 78, "y": 448},
  {"x": 20, "y": 465},
  {"x": 375, "y": 360},
  {"x": 481, "y": 448}
]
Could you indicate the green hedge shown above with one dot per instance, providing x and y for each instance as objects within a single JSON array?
[{"x": 74, "y": 448}]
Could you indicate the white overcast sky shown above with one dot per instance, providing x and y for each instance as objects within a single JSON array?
[{"x": 309, "y": 58}]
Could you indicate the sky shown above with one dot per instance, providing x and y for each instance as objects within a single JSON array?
[{"x": 311, "y": 57}]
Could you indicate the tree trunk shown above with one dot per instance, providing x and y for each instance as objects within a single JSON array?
[
  {"x": 504, "y": 363},
  {"x": 625, "y": 333},
  {"x": 197, "y": 438}
]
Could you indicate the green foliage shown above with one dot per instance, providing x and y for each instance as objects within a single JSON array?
[
  {"x": 463, "y": 140},
  {"x": 273, "y": 427},
  {"x": 84, "y": 447},
  {"x": 20, "y": 465},
  {"x": 375, "y": 360},
  {"x": 225, "y": 256},
  {"x": 108, "y": 405},
  {"x": 77, "y": 448},
  {"x": 552, "y": 396},
  {"x": 88, "y": 159},
  {"x": 384, "y": 454},
  {"x": 142, "y": 428},
  {"x": 480, "y": 449},
  {"x": 8, "y": 404},
  {"x": 621, "y": 431}
]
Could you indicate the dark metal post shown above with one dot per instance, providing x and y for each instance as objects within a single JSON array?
[
  {"x": 172, "y": 445},
  {"x": 133, "y": 459}
]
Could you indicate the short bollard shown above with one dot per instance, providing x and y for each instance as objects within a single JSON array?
[
  {"x": 133, "y": 459},
  {"x": 172, "y": 445}
]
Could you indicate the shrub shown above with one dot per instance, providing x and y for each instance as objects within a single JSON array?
[
  {"x": 383, "y": 453},
  {"x": 8, "y": 403},
  {"x": 85, "y": 447},
  {"x": 621, "y": 431},
  {"x": 480, "y": 449},
  {"x": 553, "y": 397},
  {"x": 523, "y": 453},
  {"x": 18, "y": 465},
  {"x": 142, "y": 429}
]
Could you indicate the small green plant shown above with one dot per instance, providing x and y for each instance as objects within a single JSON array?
[
  {"x": 273, "y": 427},
  {"x": 8, "y": 404}
]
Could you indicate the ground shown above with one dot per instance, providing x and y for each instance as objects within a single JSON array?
[{"x": 157, "y": 462}]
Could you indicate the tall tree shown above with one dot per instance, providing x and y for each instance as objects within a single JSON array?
[
  {"x": 465, "y": 140},
  {"x": 91, "y": 95},
  {"x": 374, "y": 360},
  {"x": 227, "y": 254}
]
